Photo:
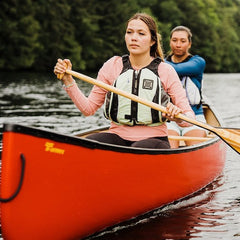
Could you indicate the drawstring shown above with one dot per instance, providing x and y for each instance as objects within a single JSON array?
[{"x": 22, "y": 158}]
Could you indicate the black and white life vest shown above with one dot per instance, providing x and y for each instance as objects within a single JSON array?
[{"x": 144, "y": 83}]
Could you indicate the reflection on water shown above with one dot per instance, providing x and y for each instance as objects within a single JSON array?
[
  {"x": 201, "y": 215},
  {"x": 38, "y": 100}
]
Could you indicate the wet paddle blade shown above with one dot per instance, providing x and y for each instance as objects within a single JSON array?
[{"x": 231, "y": 137}]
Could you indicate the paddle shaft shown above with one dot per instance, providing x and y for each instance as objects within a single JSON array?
[
  {"x": 134, "y": 98},
  {"x": 231, "y": 137}
]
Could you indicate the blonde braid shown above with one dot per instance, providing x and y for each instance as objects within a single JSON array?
[{"x": 159, "y": 50}]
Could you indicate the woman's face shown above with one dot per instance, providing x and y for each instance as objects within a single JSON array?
[
  {"x": 179, "y": 43},
  {"x": 138, "y": 37}
]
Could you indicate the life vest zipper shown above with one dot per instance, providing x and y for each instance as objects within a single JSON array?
[
  {"x": 136, "y": 80},
  {"x": 135, "y": 89}
]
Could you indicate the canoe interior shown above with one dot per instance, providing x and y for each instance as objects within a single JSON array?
[{"x": 210, "y": 115}]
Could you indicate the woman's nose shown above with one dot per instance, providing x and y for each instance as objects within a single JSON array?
[
  {"x": 134, "y": 37},
  {"x": 178, "y": 44}
]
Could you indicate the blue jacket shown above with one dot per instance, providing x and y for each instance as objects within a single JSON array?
[{"x": 193, "y": 67}]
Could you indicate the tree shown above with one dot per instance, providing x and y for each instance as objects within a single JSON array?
[
  {"x": 100, "y": 29},
  {"x": 229, "y": 36},
  {"x": 85, "y": 19},
  {"x": 57, "y": 36},
  {"x": 35, "y": 33},
  {"x": 19, "y": 31}
]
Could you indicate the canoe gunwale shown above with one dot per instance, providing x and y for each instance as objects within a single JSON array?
[{"x": 92, "y": 144}]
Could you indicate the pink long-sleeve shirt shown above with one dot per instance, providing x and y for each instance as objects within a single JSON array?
[{"x": 108, "y": 74}]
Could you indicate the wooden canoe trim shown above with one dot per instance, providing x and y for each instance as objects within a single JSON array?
[{"x": 185, "y": 138}]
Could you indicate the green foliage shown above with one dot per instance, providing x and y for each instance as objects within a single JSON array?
[
  {"x": 57, "y": 35},
  {"x": 100, "y": 27},
  {"x": 35, "y": 33},
  {"x": 19, "y": 32}
]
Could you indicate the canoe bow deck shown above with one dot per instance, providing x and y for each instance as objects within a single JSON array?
[{"x": 73, "y": 187}]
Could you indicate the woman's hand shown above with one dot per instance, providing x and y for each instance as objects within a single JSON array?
[
  {"x": 61, "y": 67},
  {"x": 172, "y": 111}
]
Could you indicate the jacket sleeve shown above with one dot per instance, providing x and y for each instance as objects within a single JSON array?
[
  {"x": 89, "y": 105},
  {"x": 194, "y": 66}
]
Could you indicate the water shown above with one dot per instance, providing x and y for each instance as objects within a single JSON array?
[{"x": 38, "y": 100}]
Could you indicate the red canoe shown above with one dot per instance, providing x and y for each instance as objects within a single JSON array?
[{"x": 56, "y": 186}]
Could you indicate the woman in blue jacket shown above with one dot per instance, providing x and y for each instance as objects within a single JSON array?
[{"x": 190, "y": 70}]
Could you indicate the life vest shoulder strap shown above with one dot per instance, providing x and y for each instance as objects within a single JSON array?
[
  {"x": 126, "y": 63},
  {"x": 153, "y": 66}
]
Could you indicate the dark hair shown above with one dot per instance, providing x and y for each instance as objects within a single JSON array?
[
  {"x": 182, "y": 28},
  {"x": 156, "y": 48}
]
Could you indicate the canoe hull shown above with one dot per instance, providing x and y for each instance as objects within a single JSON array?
[{"x": 75, "y": 187}]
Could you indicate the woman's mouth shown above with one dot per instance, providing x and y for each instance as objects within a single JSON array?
[{"x": 133, "y": 45}]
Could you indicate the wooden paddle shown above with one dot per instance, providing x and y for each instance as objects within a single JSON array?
[{"x": 230, "y": 136}]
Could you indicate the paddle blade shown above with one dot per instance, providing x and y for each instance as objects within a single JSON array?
[{"x": 231, "y": 137}]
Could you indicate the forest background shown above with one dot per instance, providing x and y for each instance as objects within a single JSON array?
[{"x": 33, "y": 34}]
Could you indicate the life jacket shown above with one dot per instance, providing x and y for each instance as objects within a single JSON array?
[
  {"x": 144, "y": 83},
  {"x": 193, "y": 92}
]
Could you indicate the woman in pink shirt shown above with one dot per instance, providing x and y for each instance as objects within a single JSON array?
[{"x": 142, "y": 73}]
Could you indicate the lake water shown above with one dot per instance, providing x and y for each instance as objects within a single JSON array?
[{"x": 38, "y": 100}]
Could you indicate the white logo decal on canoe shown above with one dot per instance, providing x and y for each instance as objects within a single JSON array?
[{"x": 49, "y": 147}]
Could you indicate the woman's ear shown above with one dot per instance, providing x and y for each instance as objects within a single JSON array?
[
  {"x": 190, "y": 45},
  {"x": 152, "y": 43}
]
